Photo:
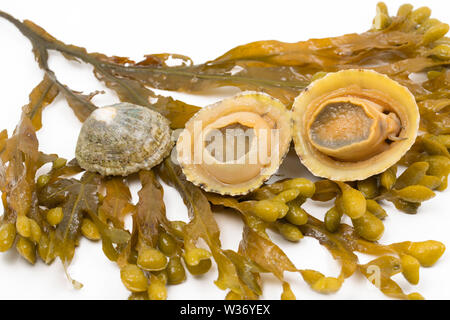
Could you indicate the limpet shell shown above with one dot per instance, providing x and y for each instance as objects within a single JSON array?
[
  {"x": 257, "y": 116},
  {"x": 122, "y": 139},
  {"x": 353, "y": 124}
]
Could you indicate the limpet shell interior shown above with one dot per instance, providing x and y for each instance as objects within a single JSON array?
[
  {"x": 257, "y": 116},
  {"x": 352, "y": 124}
]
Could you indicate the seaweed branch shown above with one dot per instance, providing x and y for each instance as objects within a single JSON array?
[
  {"x": 128, "y": 90},
  {"x": 49, "y": 214}
]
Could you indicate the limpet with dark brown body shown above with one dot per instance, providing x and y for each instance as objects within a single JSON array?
[{"x": 353, "y": 124}]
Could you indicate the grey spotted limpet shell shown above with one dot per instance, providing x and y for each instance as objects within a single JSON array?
[{"x": 122, "y": 139}]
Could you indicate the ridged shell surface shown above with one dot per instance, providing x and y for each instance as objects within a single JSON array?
[{"x": 122, "y": 139}]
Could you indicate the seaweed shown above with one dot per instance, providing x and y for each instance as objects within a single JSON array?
[
  {"x": 204, "y": 226},
  {"x": 397, "y": 46},
  {"x": 127, "y": 89}
]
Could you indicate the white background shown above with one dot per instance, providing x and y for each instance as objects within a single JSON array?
[{"x": 202, "y": 30}]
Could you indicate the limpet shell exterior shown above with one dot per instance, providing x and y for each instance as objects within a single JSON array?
[
  {"x": 257, "y": 106},
  {"x": 369, "y": 84},
  {"x": 122, "y": 139}
]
